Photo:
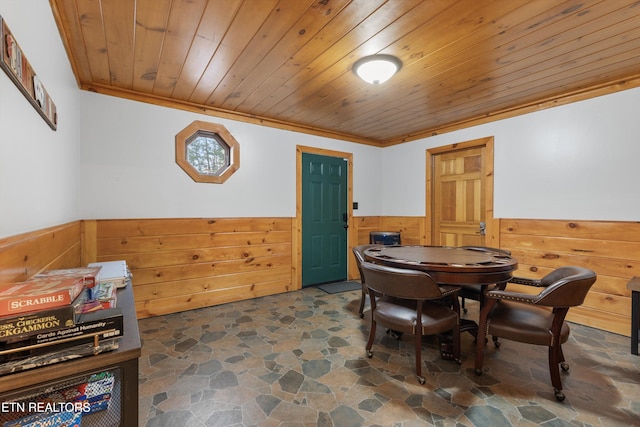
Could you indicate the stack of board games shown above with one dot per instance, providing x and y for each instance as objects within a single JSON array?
[
  {"x": 70, "y": 353},
  {"x": 102, "y": 295},
  {"x": 47, "y": 320},
  {"x": 89, "y": 328},
  {"x": 90, "y": 275},
  {"x": 37, "y": 295}
]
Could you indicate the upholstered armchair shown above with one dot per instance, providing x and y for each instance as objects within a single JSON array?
[
  {"x": 537, "y": 319},
  {"x": 406, "y": 302},
  {"x": 358, "y": 252}
]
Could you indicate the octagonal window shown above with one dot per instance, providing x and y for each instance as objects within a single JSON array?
[{"x": 207, "y": 152}]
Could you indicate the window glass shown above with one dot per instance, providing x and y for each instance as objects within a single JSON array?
[{"x": 207, "y": 152}]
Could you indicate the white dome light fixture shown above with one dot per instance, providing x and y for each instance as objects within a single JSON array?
[{"x": 376, "y": 69}]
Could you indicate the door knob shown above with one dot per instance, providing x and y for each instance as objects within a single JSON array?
[{"x": 483, "y": 228}]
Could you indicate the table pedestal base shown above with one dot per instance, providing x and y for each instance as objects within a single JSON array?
[
  {"x": 467, "y": 325},
  {"x": 445, "y": 340},
  {"x": 446, "y": 344}
]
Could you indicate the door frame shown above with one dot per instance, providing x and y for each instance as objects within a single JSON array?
[
  {"x": 296, "y": 232},
  {"x": 492, "y": 237}
]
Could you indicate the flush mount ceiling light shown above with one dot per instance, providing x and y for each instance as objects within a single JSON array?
[{"x": 376, "y": 69}]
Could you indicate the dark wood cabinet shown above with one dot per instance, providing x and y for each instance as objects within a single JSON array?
[{"x": 123, "y": 363}]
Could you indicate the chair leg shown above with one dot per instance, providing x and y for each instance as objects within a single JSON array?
[
  {"x": 456, "y": 345},
  {"x": 464, "y": 309},
  {"x": 362, "y": 301},
  {"x": 372, "y": 335},
  {"x": 418, "y": 351},
  {"x": 563, "y": 365},
  {"x": 555, "y": 358}
]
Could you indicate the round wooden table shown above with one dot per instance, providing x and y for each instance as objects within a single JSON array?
[{"x": 448, "y": 265}]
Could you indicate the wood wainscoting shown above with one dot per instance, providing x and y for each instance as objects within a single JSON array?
[
  {"x": 183, "y": 264},
  {"x": 611, "y": 249},
  {"x": 24, "y": 255},
  {"x": 411, "y": 228}
]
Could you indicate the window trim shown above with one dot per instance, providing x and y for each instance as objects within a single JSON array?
[{"x": 189, "y": 133}]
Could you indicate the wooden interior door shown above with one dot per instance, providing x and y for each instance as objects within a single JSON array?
[{"x": 459, "y": 198}]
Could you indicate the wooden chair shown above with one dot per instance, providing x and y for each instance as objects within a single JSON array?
[
  {"x": 476, "y": 292},
  {"x": 535, "y": 319},
  {"x": 405, "y": 303},
  {"x": 358, "y": 252}
]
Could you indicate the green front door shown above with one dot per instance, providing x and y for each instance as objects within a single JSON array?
[{"x": 324, "y": 219}]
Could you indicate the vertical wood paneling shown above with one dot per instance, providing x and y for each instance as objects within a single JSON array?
[
  {"x": 248, "y": 20},
  {"x": 179, "y": 35},
  {"x": 274, "y": 36},
  {"x": 216, "y": 18},
  {"x": 119, "y": 38},
  {"x": 93, "y": 40},
  {"x": 150, "y": 30},
  {"x": 316, "y": 32}
]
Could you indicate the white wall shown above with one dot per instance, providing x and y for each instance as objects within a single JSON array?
[
  {"x": 113, "y": 158},
  {"x": 129, "y": 168},
  {"x": 578, "y": 161},
  {"x": 39, "y": 167}
]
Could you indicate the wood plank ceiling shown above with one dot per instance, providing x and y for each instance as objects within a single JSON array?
[{"x": 288, "y": 63}]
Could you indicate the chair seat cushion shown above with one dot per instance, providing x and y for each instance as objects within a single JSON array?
[
  {"x": 523, "y": 323},
  {"x": 400, "y": 315}
]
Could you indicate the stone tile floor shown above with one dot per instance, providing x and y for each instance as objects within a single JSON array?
[{"x": 298, "y": 359}]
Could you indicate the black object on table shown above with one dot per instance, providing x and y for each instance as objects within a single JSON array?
[{"x": 384, "y": 237}]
